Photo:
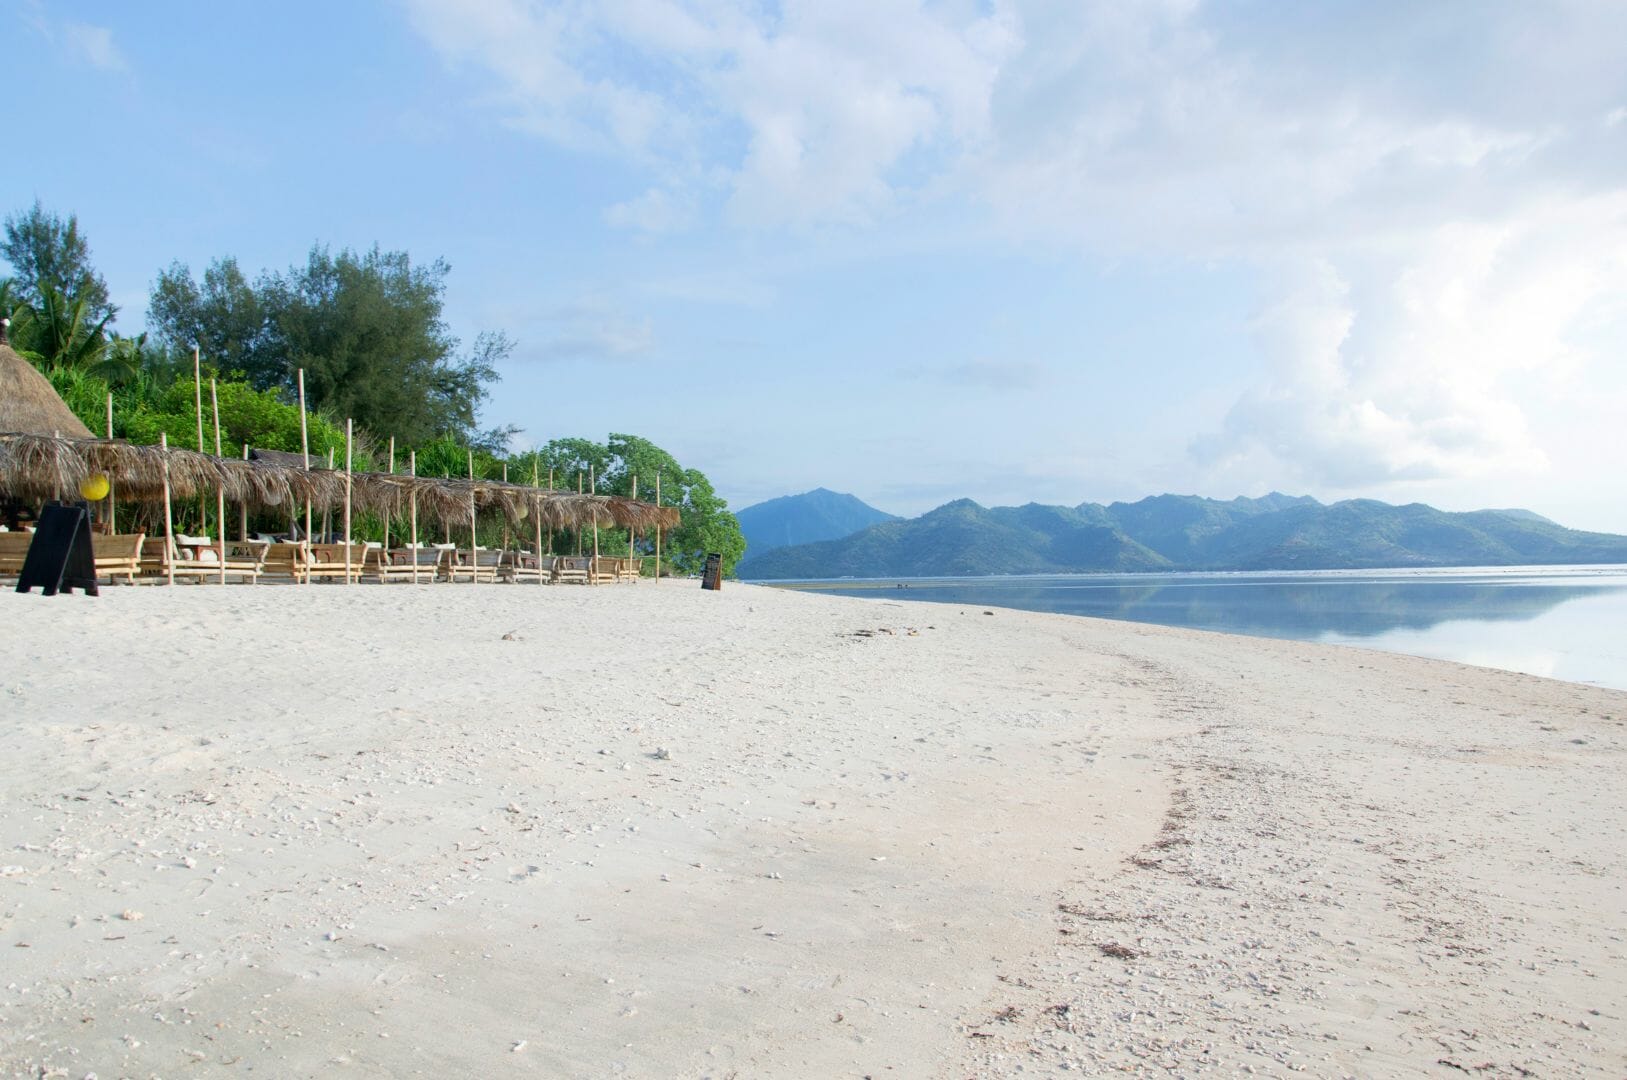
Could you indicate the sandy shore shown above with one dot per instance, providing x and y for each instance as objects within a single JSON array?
[{"x": 650, "y": 831}]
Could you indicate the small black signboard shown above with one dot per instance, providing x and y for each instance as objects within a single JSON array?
[
  {"x": 712, "y": 575},
  {"x": 59, "y": 557}
]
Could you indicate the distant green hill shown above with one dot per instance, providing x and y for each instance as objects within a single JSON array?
[
  {"x": 1185, "y": 532},
  {"x": 964, "y": 538},
  {"x": 804, "y": 519}
]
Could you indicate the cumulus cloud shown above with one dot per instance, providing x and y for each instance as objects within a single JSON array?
[{"x": 1428, "y": 237}]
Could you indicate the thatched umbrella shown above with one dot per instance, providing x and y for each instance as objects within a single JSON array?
[
  {"x": 36, "y": 466},
  {"x": 29, "y": 404}
]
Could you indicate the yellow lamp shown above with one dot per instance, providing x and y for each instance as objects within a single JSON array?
[{"x": 94, "y": 488}]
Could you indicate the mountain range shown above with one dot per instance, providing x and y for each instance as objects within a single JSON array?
[
  {"x": 820, "y": 514},
  {"x": 1184, "y": 532}
]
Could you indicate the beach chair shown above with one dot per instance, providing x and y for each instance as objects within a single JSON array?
[
  {"x": 291, "y": 561},
  {"x": 13, "y": 550},
  {"x": 528, "y": 566},
  {"x": 629, "y": 569},
  {"x": 328, "y": 560},
  {"x": 245, "y": 560},
  {"x": 487, "y": 565},
  {"x": 117, "y": 556},
  {"x": 602, "y": 571},
  {"x": 572, "y": 569},
  {"x": 399, "y": 564}
]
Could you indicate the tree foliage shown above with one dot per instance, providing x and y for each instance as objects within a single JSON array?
[
  {"x": 365, "y": 327},
  {"x": 47, "y": 253}
]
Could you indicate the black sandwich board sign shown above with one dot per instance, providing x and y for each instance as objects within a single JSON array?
[
  {"x": 59, "y": 557},
  {"x": 712, "y": 575}
]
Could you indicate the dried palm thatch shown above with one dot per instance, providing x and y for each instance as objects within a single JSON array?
[
  {"x": 29, "y": 404},
  {"x": 38, "y": 467}
]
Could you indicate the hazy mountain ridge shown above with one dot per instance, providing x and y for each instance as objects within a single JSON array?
[
  {"x": 1186, "y": 532},
  {"x": 820, "y": 514}
]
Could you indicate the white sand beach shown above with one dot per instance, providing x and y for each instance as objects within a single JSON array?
[{"x": 650, "y": 831}]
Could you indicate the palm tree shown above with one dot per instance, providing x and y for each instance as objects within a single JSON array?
[{"x": 58, "y": 335}]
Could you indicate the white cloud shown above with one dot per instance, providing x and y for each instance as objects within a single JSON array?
[{"x": 1430, "y": 237}]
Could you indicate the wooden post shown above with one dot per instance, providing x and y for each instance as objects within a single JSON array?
[
  {"x": 348, "y": 580},
  {"x": 658, "y": 527},
  {"x": 593, "y": 486},
  {"x": 505, "y": 516},
  {"x": 550, "y": 530},
  {"x": 220, "y": 492},
  {"x": 537, "y": 513},
  {"x": 327, "y": 514},
  {"x": 197, "y": 394},
  {"x": 243, "y": 522},
  {"x": 169, "y": 516},
  {"x": 631, "y": 532},
  {"x": 305, "y": 448},
  {"x": 112, "y": 507},
  {"x": 474, "y": 543},
  {"x": 412, "y": 503},
  {"x": 385, "y": 561},
  {"x": 579, "y": 520}
]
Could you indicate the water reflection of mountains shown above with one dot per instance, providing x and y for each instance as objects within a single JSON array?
[{"x": 1278, "y": 609}]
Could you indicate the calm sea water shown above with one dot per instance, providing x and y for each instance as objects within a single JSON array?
[{"x": 1565, "y": 622}]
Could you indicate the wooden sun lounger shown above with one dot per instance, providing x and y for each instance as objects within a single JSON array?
[
  {"x": 328, "y": 560},
  {"x": 13, "y": 550},
  {"x": 289, "y": 560},
  {"x": 118, "y": 555},
  {"x": 431, "y": 564},
  {"x": 488, "y": 566},
  {"x": 245, "y": 560},
  {"x": 526, "y": 566},
  {"x": 572, "y": 569},
  {"x": 602, "y": 571},
  {"x": 629, "y": 569}
]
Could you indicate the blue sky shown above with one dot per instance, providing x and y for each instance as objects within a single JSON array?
[{"x": 1012, "y": 251}]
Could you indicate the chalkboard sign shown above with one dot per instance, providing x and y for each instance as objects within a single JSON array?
[
  {"x": 60, "y": 558},
  {"x": 712, "y": 576}
]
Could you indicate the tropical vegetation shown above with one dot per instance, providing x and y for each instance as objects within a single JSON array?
[{"x": 367, "y": 330}]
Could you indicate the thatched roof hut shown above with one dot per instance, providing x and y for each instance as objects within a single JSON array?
[
  {"x": 43, "y": 466},
  {"x": 29, "y": 404}
]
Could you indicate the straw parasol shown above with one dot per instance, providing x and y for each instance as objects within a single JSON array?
[
  {"x": 36, "y": 466},
  {"x": 29, "y": 404}
]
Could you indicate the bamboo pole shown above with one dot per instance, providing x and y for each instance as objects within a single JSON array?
[
  {"x": 112, "y": 507},
  {"x": 474, "y": 540},
  {"x": 243, "y": 520},
  {"x": 412, "y": 504},
  {"x": 505, "y": 516},
  {"x": 327, "y": 514},
  {"x": 305, "y": 448},
  {"x": 632, "y": 533},
  {"x": 550, "y": 531},
  {"x": 169, "y": 516},
  {"x": 593, "y": 484},
  {"x": 197, "y": 394},
  {"x": 220, "y": 492},
  {"x": 387, "y": 515},
  {"x": 579, "y": 523},
  {"x": 348, "y": 580},
  {"x": 538, "y": 514},
  {"x": 658, "y": 528}
]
